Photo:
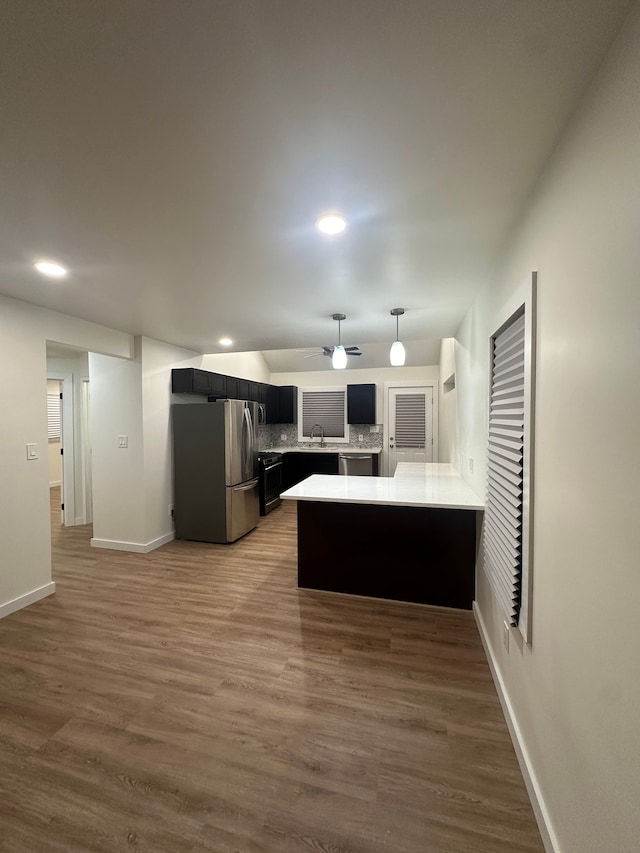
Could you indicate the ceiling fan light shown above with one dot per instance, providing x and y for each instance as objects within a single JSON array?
[
  {"x": 397, "y": 354},
  {"x": 339, "y": 358}
]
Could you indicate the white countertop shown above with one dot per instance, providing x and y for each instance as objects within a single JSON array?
[
  {"x": 333, "y": 448},
  {"x": 414, "y": 484}
]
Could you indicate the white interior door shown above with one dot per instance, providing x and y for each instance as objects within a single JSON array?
[
  {"x": 67, "y": 490},
  {"x": 86, "y": 453},
  {"x": 410, "y": 430}
]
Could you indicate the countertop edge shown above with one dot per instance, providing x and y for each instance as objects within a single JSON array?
[
  {"x": 388, "y": 502},
  {"x": 323, "y": 488}
]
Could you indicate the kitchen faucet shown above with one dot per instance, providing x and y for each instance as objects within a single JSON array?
[{"x": 321, "y": 428}]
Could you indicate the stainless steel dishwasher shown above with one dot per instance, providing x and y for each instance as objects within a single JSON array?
[{"x": 355, "y": 464}]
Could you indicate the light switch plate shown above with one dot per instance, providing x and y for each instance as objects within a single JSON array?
[
  {"x": 123, "y": 441},
  {"x": 32, "y": 452}
]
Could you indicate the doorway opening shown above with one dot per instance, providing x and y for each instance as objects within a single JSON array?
[
  {"x": 55, "y": 449},
  {"x": 68, "y": 374}
]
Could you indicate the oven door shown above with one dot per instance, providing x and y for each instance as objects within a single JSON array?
[{"x": 271, "y": 486}]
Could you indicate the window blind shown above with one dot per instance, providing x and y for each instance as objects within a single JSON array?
[
  {"x": 54, "y": 415},
  {"x": 325, "y": 408},
  {"x": 503, "y": 517},
  {"x": 410, "y": 420}
]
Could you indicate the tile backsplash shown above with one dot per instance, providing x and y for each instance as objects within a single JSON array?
[{"x": 270, "y": 435}]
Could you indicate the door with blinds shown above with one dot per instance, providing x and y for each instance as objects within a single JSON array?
[{"x": 410, "y": 432}]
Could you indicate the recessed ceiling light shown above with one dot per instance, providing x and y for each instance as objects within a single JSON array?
[
  {"x": 51, "y": 268},
  {"x": 331, "y": 223},
  {"x": 225, "y": 342}
]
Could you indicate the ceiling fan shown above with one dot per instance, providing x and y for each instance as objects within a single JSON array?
[{"x": 329, "y": 351}]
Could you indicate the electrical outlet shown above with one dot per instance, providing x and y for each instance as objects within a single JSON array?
[
  {"x": 505, "y": 635},
  {"x": 360, "y": 437},
  {"x": 283, "y": 436},
  {"x": 471, "y": 464}
]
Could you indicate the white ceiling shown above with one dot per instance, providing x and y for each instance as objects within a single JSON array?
[{"x": 175, "y": 156}]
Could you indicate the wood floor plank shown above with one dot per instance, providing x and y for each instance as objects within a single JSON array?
[{"x": 193, "y": 699}]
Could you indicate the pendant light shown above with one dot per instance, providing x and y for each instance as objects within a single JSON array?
[
  {"x": 339, "y": 356},
  {"x": 397, "y": 353}
]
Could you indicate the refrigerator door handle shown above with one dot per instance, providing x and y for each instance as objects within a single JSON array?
[
  {"x": 246, "y": 442},
  {"x": 246, "y": 486}
]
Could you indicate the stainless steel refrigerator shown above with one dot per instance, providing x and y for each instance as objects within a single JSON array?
[{"x": 215, "y": 470}]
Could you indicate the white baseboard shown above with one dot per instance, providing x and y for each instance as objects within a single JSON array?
[
  {"x": 135, "y": 547},
  {"x": 27, "y": 599},
  {"x": 549, "y": 838}
]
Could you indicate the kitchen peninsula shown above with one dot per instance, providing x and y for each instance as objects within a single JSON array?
[{"x": 411, "y": 537}]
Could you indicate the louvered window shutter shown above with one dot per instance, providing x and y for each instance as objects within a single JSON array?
[
  {"x": 503, "y": 517},
  {"x": 54, "y": 419},
  {"x": 325, "y": 408},
  {"x": 410, "y": 420}
]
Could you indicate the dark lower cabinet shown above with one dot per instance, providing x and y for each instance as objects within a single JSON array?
[
  {"x": 298, "y": 466},
  {"x": 419, "y": 554}
]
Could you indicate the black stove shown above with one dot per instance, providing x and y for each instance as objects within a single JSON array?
[
  {"x": 268, "y": 457},
  {"x": 270, "y": 480}
]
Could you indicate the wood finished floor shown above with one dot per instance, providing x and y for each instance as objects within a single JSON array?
[{"x": 193, "y": 699}]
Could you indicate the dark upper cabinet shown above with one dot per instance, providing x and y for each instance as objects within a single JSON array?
[
  {"x": 243, "y": 389},
  {"x": 217, "y": 385},
  {"x": 281, "y": 401},
  {"x": 272, "y": 404},
  {"x": 190, "y": 380},
  {"x": 361, "y": 404},
  {"x": 232, "y": 388},
  {"x": 287, "y": 404},
  {"x": 264, "y": 392}
]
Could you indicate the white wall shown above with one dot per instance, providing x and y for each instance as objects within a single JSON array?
[
  {"x": 448, "y": 402},
  {"x": 118, "y": 473},
  {"x": 245, "y": 365},
  {"x": 158, "y": 359},
  {"x": 25, "y": 547},
  {"x": 132, "y": 486},
  {"x": 575, "y": 692}
]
